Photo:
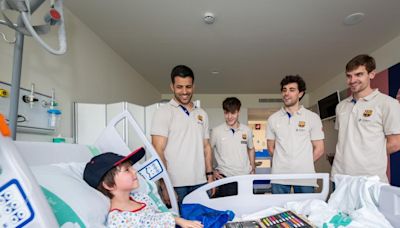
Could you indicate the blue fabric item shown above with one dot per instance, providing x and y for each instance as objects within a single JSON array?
[
  {"x": 210, "y": 218},
  {"x": 181, "y": 192},
  {"x": 263, "y": 153},
  {"x": 339, "y": 220}
]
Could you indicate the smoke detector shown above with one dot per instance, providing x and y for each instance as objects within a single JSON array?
[{"x": 209, "y": 18}]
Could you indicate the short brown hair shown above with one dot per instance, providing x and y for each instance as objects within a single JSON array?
[
  {"x": 181, "y": 71},
  {"x": 361, "y": 60},
  {"x": 231, "y": 104},
  {"x": 109, "y": 179}
]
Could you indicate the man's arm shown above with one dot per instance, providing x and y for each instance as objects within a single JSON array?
[
  {"x": 159, "y": 144},
  {"x": 318, "y": 149},
  {"x": 208, "y": 159},
  {"x": 271, "y": 146},
  {"x": 392, "y": 143},
  {"x": 251, "y": 153}
]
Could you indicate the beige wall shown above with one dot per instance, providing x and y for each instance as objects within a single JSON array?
[
  {"x": 90, "y": 71},
  {"x": 386, "y": 56}
]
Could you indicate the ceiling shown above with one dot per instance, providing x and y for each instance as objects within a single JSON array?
[{"x": 252, "y": 44}]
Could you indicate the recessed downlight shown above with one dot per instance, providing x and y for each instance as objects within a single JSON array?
[
  {"x": 354, "y": 18},
  {"x": 214, "y": 72}
]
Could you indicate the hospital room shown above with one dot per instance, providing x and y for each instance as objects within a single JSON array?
[{"x": 217, "y": 113}]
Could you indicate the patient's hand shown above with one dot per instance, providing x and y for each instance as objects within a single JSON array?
[{"x": 188, "y": 223}]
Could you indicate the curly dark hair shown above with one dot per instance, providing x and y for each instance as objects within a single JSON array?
[{"x": 301, "y": 84}]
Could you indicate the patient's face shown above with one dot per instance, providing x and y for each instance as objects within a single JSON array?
[{"x": 126, "y": 178}]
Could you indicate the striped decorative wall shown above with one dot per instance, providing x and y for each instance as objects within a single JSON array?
[{"x": 388, "y": 82}]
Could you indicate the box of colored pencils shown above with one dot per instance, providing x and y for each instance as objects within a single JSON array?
[{"x": 287, "y": 219}]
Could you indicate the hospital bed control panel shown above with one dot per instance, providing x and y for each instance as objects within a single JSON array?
[
  {"x": 151, "y": 170},
  {"x": 15, "y": 209}
]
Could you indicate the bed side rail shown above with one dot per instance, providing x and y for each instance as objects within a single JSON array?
[{"x": 246, "y": 202}]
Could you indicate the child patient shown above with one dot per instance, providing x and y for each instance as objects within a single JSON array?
[{"x": 114, "y": 176}]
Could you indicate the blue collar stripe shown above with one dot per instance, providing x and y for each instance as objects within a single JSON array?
[{"x": 185, "y": 110}]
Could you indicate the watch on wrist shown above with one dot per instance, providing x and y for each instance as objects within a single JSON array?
[{"x": 209, "y": 173}]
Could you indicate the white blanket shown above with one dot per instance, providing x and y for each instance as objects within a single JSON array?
[{"x": 353, "y": 204}]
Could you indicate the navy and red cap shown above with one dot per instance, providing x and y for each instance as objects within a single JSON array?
[{"x": 99, "y": 165}]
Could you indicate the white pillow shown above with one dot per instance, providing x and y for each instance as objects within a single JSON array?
[
  {"x": 70, "y": 197},
  {"x": 73, "y": 201}
]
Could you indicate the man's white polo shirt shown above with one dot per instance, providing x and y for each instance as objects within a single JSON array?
[
  {"x": 184, "y": 152},
  {"x": 230, "y": 149},
  {"x": 293, "y": 149},
  {"x": 363, "y": 125}
]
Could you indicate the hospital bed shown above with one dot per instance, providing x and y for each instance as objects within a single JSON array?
[
  {"x": 34, "y": 175},
  {"x": 53, "y": 185}
]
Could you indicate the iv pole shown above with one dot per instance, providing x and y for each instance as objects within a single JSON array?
[
  {"x": 22, "y": 28},
  {"x": 16, "y": 80}
]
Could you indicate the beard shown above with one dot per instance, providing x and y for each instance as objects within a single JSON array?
[{"x": 182, "y": 100}]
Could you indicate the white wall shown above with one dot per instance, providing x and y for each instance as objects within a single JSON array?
[
  {"x": 386, "y": 56},
  {"x": 90, "y": 71}
]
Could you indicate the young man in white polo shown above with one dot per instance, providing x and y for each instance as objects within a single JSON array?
[
  {"x": 294, "y": 139},
  {"x": 232, "y": 143},
  {"x": 368, "y": 123},
  {"x": 180, "y": 135}
]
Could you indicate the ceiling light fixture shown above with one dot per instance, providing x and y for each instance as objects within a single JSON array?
[
  {"x": 354, "y": 18},
  {"x": 209, "y": 18}
]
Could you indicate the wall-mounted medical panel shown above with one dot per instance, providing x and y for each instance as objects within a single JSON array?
[{"x": 32, "y": 116}]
